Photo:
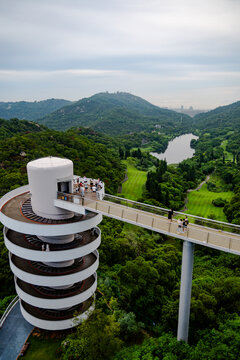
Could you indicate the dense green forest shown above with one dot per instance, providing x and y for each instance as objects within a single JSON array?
[
  {"x": 139, "y": 274},
  {"x": 15, "y": 126},
  {"x": 224, "y": 117},
  {"x": 89, "y": 158}
]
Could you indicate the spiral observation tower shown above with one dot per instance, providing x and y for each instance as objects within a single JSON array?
[
  {"x": 52, "y": 238},
  {"x": 52, "y": 251}
]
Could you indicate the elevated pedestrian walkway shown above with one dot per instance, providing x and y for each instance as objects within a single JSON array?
[{"x": 214, "y": 234}]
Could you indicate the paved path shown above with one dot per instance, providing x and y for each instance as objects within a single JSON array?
[
  {"x": 13, "y": 334},
  {"x": 123, "y": 181}
]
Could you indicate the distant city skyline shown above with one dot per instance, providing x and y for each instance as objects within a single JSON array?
[{"x": 169, "y": 53}]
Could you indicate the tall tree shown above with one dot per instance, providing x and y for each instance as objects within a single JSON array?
[{"x": 95, "y": 338}]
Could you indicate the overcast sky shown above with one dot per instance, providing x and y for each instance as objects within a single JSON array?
[{"x": 169, "y": 52}]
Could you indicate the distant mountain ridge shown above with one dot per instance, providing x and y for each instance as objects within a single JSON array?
[
  {"x": 25, "y": 110},
  {"x": 224, "y": 116},
  {"x": 114, "y": 114},
  {"x": 118, "y": 113}
]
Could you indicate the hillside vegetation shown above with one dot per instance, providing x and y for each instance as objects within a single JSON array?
[
  {"x": 227, "y": 117},
  {"x": 90, "y": 159},
  {"x": 13, "y": 127},
  {"x": 115, "y": 114},
  {"x": 30, "y": 110}
]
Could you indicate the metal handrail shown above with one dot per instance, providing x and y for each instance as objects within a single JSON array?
[
  {"x": 69, "y": 197},
  {"x": 155, "y": 209},
  {"x": 208, "y": 223},
  {"x": 8, "y": 309}
]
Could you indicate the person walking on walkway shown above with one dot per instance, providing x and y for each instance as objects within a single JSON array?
[
  {"x": 91, "y": 183},
  {"x": 170, "y": 215},
  {"x": 180, "y": 223},
  {"x": 82, "y": 189},
  {"x": 185, "y": 224}
]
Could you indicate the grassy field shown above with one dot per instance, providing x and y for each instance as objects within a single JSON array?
[
  {"x": 132, "y": 188},
  {"x": 200, "y": 203},
  {"x": 146, "y": 148},
  {"x": 40, "y": 349},
  {"x": 228, "y": 155}
]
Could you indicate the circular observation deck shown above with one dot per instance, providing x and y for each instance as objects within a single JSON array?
[
  {"x": 54, "y": 298},
  {"x": 50, "y": 319},
  {"x": 30, "y": 246},
  {"x": 38, "y": 273},
  {"x": 12, "y": 217}
]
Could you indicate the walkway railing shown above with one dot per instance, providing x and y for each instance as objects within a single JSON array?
[
  {"x": 209, "y": 223},
  {"x": 74, "y": 198},
  {"x": 8, "y": 309},
  {"x": 78, "y": 198}
]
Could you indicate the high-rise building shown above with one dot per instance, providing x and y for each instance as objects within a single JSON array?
[{"x": 52, "y": 251}]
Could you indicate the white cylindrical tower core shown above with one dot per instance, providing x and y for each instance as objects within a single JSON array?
[
  {"x": 64, "y": 239},
  {"x": 60, "y": 264},
  {"x": 43, "y": 175}
]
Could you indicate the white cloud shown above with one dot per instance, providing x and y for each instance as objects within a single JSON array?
[
  {"x": 19, "y": 75},
  {"x": 140, "y": 41},
  {"x": 146, "y": 27}
]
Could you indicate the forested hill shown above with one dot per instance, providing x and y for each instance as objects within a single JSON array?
[
  {"x": 30, "y": 110},
  {"x": 89, "y": 158},
  {"x": 221, "y": 117},
  {"x": 12, "y": 127},
  {"x": 114, "y": 114}
]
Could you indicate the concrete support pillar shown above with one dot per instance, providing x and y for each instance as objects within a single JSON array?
[{"x": 185, "y": 290}]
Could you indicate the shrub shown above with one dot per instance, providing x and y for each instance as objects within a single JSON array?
[
  {"x": 211, "y": 186},
  {"x": 219, "y": 202}
]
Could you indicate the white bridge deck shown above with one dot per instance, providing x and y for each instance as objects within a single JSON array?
[{"x": 217, "y": 235}]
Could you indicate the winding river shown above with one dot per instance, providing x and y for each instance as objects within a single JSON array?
[{"x": 178, "y": 149}]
